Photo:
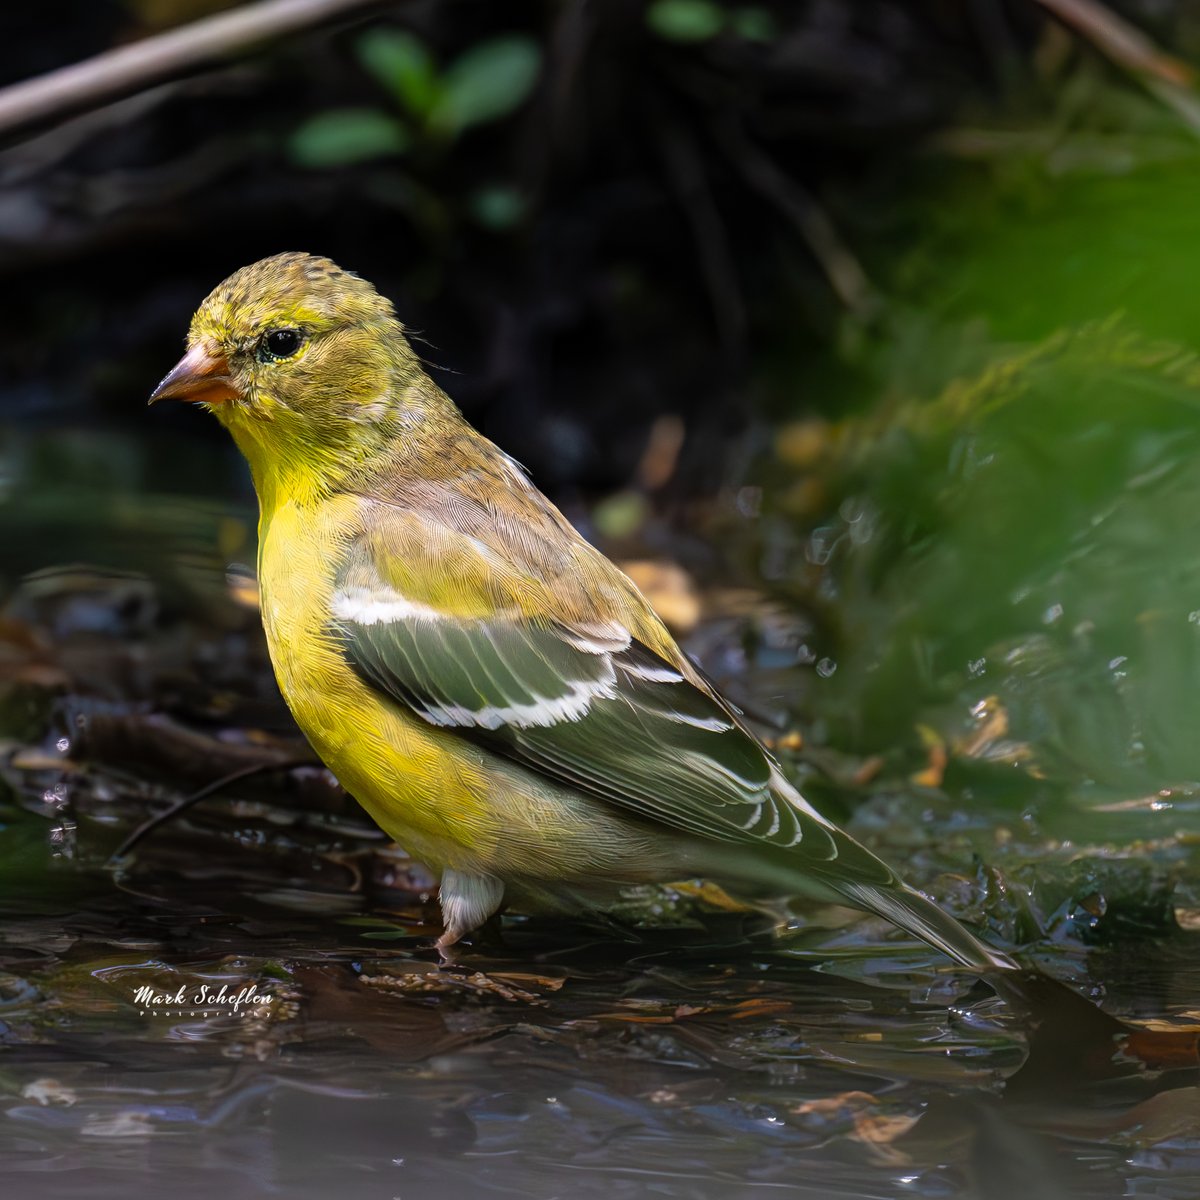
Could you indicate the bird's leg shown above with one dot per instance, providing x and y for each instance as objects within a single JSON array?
[{"x": 467, "y": 902}]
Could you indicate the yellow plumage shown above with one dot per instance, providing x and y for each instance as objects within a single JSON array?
[{"x": 434, "y": 792}]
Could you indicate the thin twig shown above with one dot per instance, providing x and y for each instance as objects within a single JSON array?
[
  {"x": 97, "y": 81},
  {"x": 148, "y": 827},
  {"x": 846, "y": 276},
  {"x": 685, "y": 169}
]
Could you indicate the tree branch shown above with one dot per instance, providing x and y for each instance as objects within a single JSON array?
[
  {"x": 1123, "y": 42},
  {"x": 1169, "y": 78},
  {"x": 28, "y": 106}
]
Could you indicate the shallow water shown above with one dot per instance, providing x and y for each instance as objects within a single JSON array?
[
  {"x": 682, "y": 1050},
  {"x": 684, "y": 1061}
]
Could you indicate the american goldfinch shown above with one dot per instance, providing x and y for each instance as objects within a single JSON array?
[{"x": 492, "y": 689}]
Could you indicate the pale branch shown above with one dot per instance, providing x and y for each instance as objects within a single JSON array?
[
  {"x": 1170, "y": 79},
  {"x": 35, "y": 103},
  {"x": 1121, "y": 41}
]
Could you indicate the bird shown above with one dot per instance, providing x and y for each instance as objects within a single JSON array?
[{"x": 493, "y": 690}]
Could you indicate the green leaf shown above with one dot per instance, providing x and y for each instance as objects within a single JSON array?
[
  {"x": 753, "y": 24},
  {"x": 621, "y": 514},
  {"x": 402, "y": 64},
  {"x": 685, "y": 20},
  {"x": 343, "y": 136},
  {"x": 487, "y": 82},
  {"x": 497, "y": 206}
]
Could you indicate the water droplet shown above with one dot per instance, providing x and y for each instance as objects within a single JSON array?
[
  {"x": 852, "y": 510},
  {"x": 977, "y": 667},
  {"x": 821, "y": 545},
  {"x": 63, "y": 745},
  {"x": 1194, "y": 616},
  {"x": 826, "y": 667},
  {"x": 1052, "y": 614},
  {"x": 62, "y": 840},
  {"x": 749, "y": 501}
]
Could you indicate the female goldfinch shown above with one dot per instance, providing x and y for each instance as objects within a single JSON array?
[{"x": 498, "y": 695}]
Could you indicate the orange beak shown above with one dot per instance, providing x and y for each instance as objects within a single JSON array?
[{"x": 198, "y": 376}]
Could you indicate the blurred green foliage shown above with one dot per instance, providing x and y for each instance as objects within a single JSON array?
[
  {"x": 1021, "y": 533},
  {"x": 686, "y": 20},
  {"x": 342, "y": 136},
  {"x": 1013, "y": 565},
  {"x": 700, "y": 20},
  {"x": 485, "y": 83},
  {"x": 996, "y": 526}
]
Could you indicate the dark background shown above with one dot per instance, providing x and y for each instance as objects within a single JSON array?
[{"x": 655, "y": 223}]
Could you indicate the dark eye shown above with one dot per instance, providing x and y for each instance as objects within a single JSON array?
[{"x": 279, "y": 343}]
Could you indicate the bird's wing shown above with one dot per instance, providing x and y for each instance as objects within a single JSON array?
[{"x": 500, "y": 654}]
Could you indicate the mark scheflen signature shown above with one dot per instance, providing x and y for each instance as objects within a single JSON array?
[{"x": 202, "y": 1001}]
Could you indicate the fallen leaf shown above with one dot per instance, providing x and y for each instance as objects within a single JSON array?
[
  {"x": 879, "y": 1132},
  {"x": 49, "y": 1091},
  {"x": 670, "y": 590},
  {"x": 828, "y": 1106}
]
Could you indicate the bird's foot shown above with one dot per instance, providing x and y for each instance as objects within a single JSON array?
[
  {"x": 446, "y": 945},
  {"x": 468, "y": 901}
]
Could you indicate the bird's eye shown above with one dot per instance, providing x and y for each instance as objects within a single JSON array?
[{"x": 279, "y": 343}]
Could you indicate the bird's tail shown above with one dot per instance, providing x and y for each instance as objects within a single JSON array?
[
  {"x": 910, "y": 910},
  {"x": 830, "y": 857}
]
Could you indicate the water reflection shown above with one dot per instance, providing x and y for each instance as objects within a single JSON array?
[{"x": 699, "y": 1061}]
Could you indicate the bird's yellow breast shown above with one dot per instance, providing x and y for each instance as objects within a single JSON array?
[
  {"x": 426, "y": 789},
  {"x": 446, "y": 800}
]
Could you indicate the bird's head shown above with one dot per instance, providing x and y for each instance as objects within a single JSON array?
[{"x": 304, "y": 363}]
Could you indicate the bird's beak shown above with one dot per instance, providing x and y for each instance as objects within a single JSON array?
[{"x": 199, "y": 376}]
